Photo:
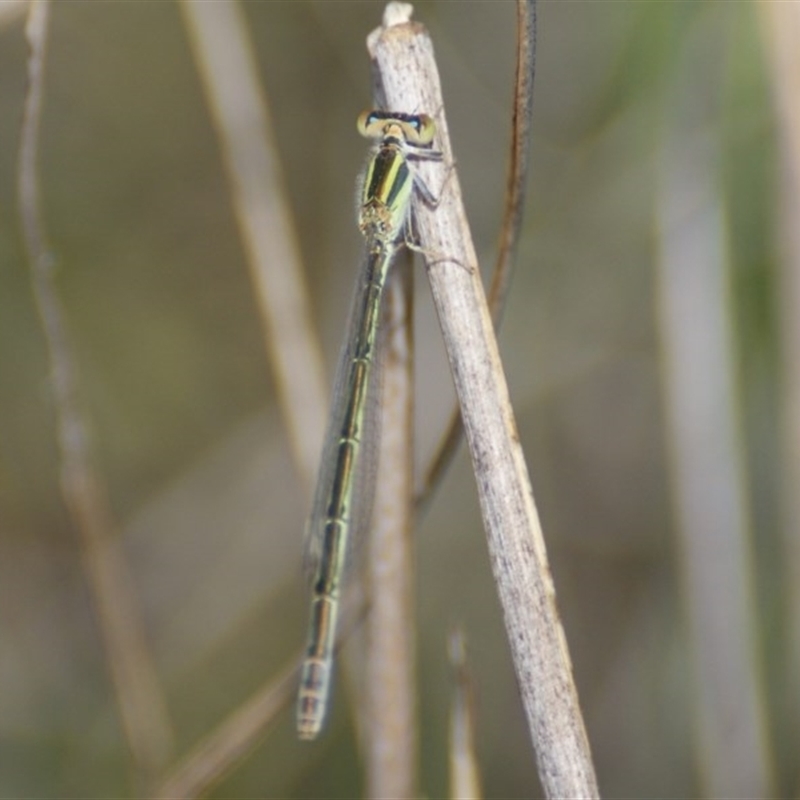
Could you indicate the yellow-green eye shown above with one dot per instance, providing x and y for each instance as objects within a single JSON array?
[
  {"x": 423, "y": 127},
  {"x": 371, "y": 124}
]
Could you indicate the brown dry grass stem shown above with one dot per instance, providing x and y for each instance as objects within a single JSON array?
[
  {"x": 781, "y": 33},
  {"x": 142, "y": 709},
  {"x": 403, "y": 57},
  {"x": 225, "y": 60},
  {"x": 218, "y": 754},
  {"x": 390, "y": 744},
  {"x": 705, "y": 441},
  {"x": 465, "y": 776},
  {"x": 521, "y": 135}
]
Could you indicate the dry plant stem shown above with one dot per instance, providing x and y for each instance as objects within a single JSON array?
[
  {"x": 138, "y": 692},
  {"x": 704, "y": 442},
  {"x": 465, "y": 778},
  {"x": 222, "y": 750},
  {"x": 403, "y": 55},
  {"x": 215, "y": 756},
  {"x": 521, "y": 135},
  {"x": 11, "y": 10},
  {"x": 391, "y": 728},
  {"x": 781, "y": 27},
  {"x": 227, "y": 66}
]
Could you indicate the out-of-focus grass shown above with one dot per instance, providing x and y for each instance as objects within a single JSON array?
[{"x": 175, "y": 377}]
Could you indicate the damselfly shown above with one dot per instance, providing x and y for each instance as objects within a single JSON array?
[{"x": 343, "y": 498}]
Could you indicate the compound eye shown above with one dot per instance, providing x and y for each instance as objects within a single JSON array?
[
  {"x": 369, "y": 124},
  {"x": 425, "y": 128}
]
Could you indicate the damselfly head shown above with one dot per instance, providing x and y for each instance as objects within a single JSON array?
[{"x": 415, "y": 129}]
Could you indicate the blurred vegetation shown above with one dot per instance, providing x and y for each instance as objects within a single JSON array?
[{"x": 173, "y": 371}]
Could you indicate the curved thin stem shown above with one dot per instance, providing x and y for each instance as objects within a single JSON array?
[{"x": 521, "y": 134}]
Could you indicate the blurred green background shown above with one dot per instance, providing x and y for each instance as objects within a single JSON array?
[{"x": 174, "y": 374}]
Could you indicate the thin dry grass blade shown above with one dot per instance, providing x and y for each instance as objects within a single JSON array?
[
  {"x": 218, "y": 754},
  {"x": 465, "y": 776},
  {"x": 403, "y": 54},
  {"x": 227, "y": 65},
  {"x": 390, "y": 746},
  {"x": 781, "y": 30},
  {"x": 138, "y": 693},
  {"x": 704, "y": 442},
  {"x": 233, "y": 739},
  {"x": 521, "y": 135},
  {"x": 12, "y": 10}
]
